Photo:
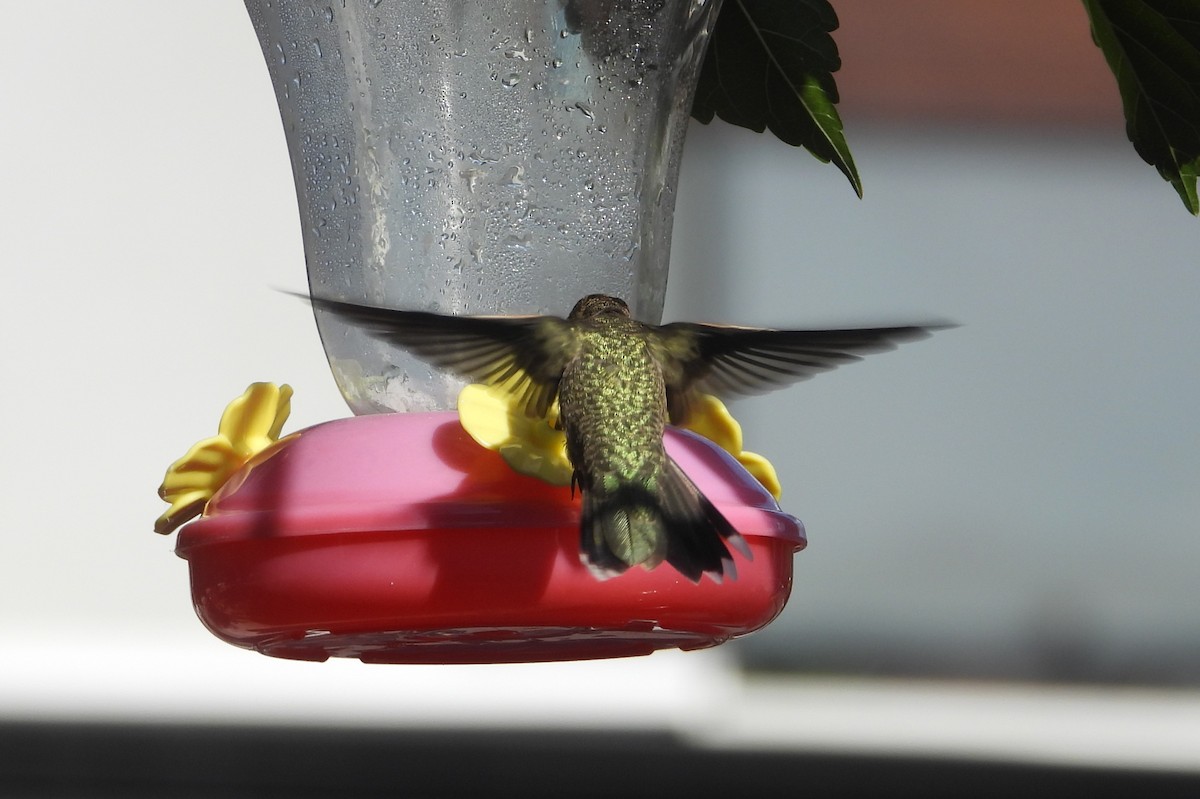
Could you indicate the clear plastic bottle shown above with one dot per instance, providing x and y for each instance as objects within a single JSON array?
[{"x": 479, "y": 156}]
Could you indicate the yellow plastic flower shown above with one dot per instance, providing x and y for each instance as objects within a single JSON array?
[
  {"x": 710, "y": 418},
  {"x": 490, "y": 415},
  {"x": 250, "y": 424},
  {"x": 530, "y": 446}
]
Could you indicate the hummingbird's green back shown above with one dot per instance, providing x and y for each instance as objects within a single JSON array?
[{"x": 613, "y": 409}]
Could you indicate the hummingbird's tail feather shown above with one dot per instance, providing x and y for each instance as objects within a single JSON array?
[
  {"x": 622, "y": 527},
  {"x": 633, "y": 525},
  {"x": 697, "y": 533}
]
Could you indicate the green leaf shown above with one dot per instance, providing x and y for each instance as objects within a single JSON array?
[
  {"x": 1153, "y": 49},
  {"x": 1185, "y": 184},
  {"x": 770, "y": 65}
]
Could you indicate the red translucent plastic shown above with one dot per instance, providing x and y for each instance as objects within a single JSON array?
[{"x": 397, "y": 539}]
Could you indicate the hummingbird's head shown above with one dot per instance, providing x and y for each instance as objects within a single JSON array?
[{"x": 594, "y": 305}]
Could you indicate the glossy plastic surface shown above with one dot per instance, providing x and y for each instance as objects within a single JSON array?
[{"x": 396, "y": 538}]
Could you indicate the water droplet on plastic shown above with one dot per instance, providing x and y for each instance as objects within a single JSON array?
[
  {"x": 473, "y": 177},
  {"x": 514, "y": 176},
  {"x": 586, "y": 110},
  {"x": 329, "y": 13},
  {"x": 510, "y": 80},
  {"x": 522, "y": 241},
  {"x": 316, "y": 45}
]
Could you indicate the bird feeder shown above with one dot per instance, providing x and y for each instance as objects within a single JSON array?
[{"x": 468, "y": 158}]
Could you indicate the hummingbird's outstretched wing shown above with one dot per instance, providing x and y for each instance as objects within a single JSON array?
[
  {"x": 741, "y": 360},
  {"x": 532, "y": 350}
]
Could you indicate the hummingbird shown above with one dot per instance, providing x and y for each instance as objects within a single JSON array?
[{"x": 618, "y": 383}]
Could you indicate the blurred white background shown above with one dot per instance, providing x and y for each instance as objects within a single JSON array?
[{"x": 1014, "y": 499}]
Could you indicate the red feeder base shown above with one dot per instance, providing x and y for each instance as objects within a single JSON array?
[{"x": 397, "y": 539}]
